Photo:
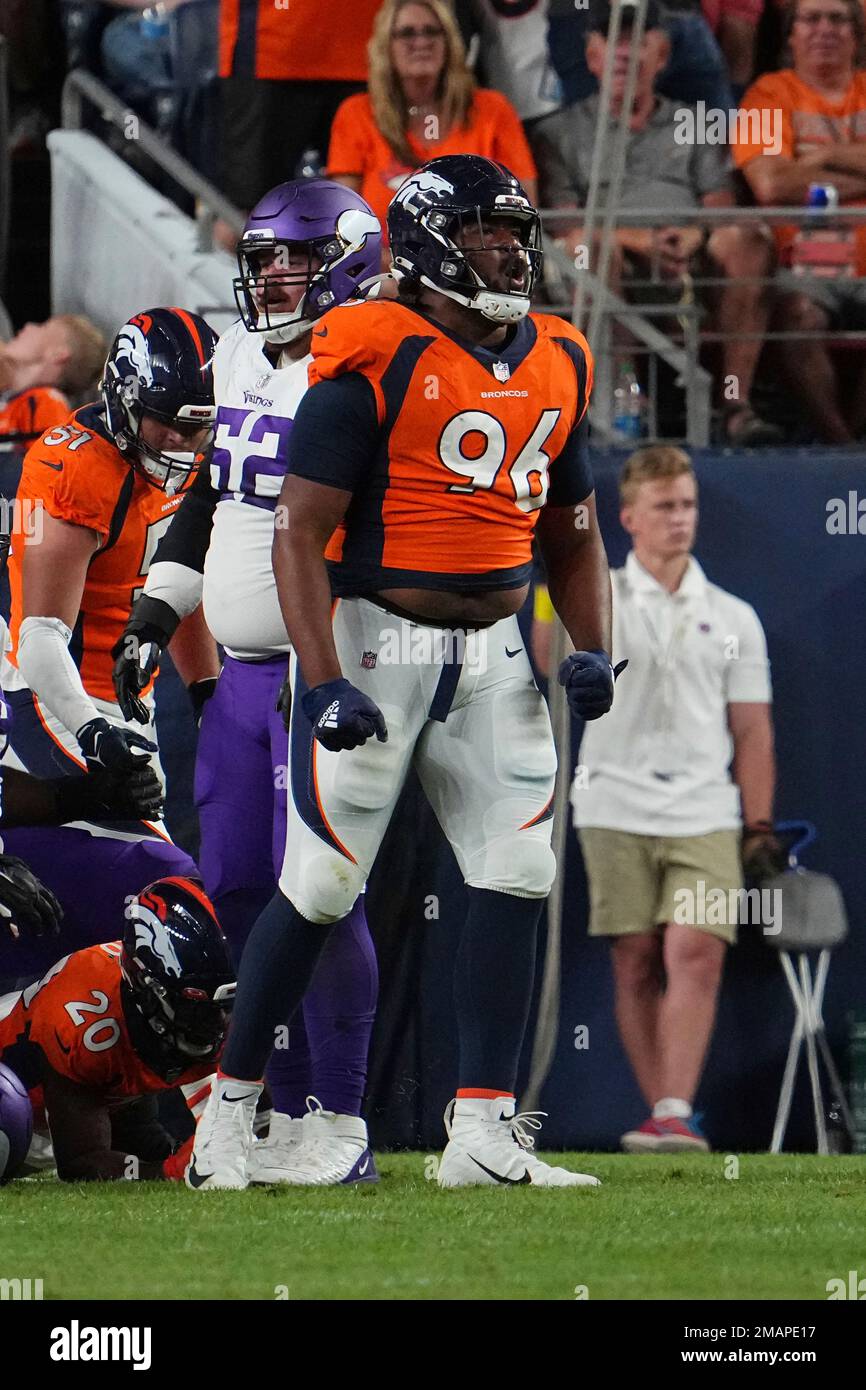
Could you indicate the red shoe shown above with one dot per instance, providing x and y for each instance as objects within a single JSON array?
[{"x": 666, "y": 1137}]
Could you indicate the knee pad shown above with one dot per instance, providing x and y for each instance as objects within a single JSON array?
[
  {"x": 522, "y": 863},
  {"x": 326, "y": 888}
]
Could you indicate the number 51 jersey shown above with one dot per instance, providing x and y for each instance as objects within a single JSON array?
[
  {"x": 449, "y": 449},
  {"x": 256, "y": 405}
]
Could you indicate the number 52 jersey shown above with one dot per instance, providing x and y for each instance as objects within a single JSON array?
[
  {"x": 256, "y": 405},
  {"x": 449, "y": 449}
]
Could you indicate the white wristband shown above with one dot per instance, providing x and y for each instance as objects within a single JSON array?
[{"x": 47, "y": 667}]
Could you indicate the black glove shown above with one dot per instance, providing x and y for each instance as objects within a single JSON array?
[
  {"x": 342, "y": 716},
  {"x": 284, "y": 701},
  {"x": 27, "y": 907},
  {"x": 588, "y": 678},
  {"x": 199, "y": 693},
  {"x": 762, "y": 853},
  {"x": 104, "y": 745},
  {"x": 136, "y": 654},
  {"x": 102, "y": 795}
]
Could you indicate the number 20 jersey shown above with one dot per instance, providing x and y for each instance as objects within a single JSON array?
[
  {"x": 256, "y": 405},
  {"x": 466, "y": 446}
]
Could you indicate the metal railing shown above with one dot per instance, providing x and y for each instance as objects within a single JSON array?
[
  {"x": 5, "y": 167},
  {"x": 647, "y": 324},
  {"x": 210, "y": 203}
]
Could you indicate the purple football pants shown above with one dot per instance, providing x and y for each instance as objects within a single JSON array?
[
  {"x": 93, "y": 878},
  {"x": 241, "y": 781}
]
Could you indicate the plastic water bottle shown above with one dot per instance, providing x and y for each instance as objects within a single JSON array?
[
  {"x": 310, "y": 166},
  {"x": 826, "y": 249},
  {"x": 154, "y": 23},
  {"x": 628, "y": 403}
]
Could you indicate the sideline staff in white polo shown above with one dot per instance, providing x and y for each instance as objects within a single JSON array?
[{"x": 659, "y": 790}]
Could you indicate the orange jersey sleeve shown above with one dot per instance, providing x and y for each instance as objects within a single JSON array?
[
  {"x": 77, "y": 475},
  {"x": 471, "y": 442}
]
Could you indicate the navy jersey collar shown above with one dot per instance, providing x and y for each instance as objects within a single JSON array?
[{"x": 518, "y": 343}]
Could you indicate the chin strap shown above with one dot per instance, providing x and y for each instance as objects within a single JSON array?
[{"x": 498, "y": 307}]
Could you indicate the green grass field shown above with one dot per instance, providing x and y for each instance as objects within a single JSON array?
[{"x": 661, "y": 1227}]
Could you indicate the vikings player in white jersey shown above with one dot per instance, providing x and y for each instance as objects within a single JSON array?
[{"x": 307, "y": 246}]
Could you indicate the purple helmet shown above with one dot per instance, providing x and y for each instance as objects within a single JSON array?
[
  {"x": 16, "y": 1124},
  {"x": 320, "y": 218}
]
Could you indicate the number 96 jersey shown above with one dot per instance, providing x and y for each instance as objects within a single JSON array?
[{"x": 449, "y": 449}]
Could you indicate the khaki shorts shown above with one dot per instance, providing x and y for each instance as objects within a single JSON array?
[{"x": 638, "y": 883}]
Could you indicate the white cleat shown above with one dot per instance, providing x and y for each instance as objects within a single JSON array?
[
  {"x": 224, "y": 1137},
  {"x": 488, "y": 1145},
  {"x": 273, "y": 1154},
  {"x": 333, "y": 1150}
]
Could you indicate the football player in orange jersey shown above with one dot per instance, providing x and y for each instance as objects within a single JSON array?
[
  {"x": 441, "y": 431},
  {"x": 112, "y": 1025},
  {"x": 103, "y": 488}
]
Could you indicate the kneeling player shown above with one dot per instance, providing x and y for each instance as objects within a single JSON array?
[
  {"x": 105, "y": 486},
  {"x": 109, "y": 1027}
]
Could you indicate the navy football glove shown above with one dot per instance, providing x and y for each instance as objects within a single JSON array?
[
  {"x": 341, "y": 716},
  {"x": 104, "y": 745},
  {"x": 588, "y": 678}
]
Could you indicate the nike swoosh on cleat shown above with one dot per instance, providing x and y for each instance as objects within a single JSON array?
[
  {"x": 517, "y": 653},
  {"x": 233, "y": 1100},
  {"x": 497, "y": 1177},
  {"x": 362, "y": 1170},
  {"x": 320, "y": 332},
  {"x": 194, "y": 1178}
]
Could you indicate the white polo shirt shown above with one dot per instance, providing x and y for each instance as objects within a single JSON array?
[{"x": 658, "y": 763}]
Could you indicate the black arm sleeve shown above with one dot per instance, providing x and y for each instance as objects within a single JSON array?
[
  {"x": 571, "y": 478},
  {"x": 335, "y": 433},
  {"x": 187, "y": 539}
]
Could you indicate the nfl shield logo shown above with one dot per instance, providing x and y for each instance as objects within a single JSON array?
[
  {"x": 368, "y": 660},
  {"x": 501, "y": 371}
]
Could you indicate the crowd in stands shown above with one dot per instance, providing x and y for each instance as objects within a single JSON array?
[{"x": 369, "y": 89}]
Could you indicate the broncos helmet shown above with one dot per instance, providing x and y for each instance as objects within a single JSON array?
[
  {"x": 453, "y": 194},
  {"x": 178, "y": 981},
  {"x": 331, "y": 222},
  {"x": 160, "y": 366}
]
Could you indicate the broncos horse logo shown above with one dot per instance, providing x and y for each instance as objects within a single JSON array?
[
  {"x": 152, "y": 932},
  {"x": 411, "y": 192},
  {"x": 132, "y": 348}
]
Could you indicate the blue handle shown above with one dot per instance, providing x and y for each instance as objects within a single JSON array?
[{"x": 804, "y": 830}]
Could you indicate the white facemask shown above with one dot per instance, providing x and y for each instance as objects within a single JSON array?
[{"x": 160, "y": 471}]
